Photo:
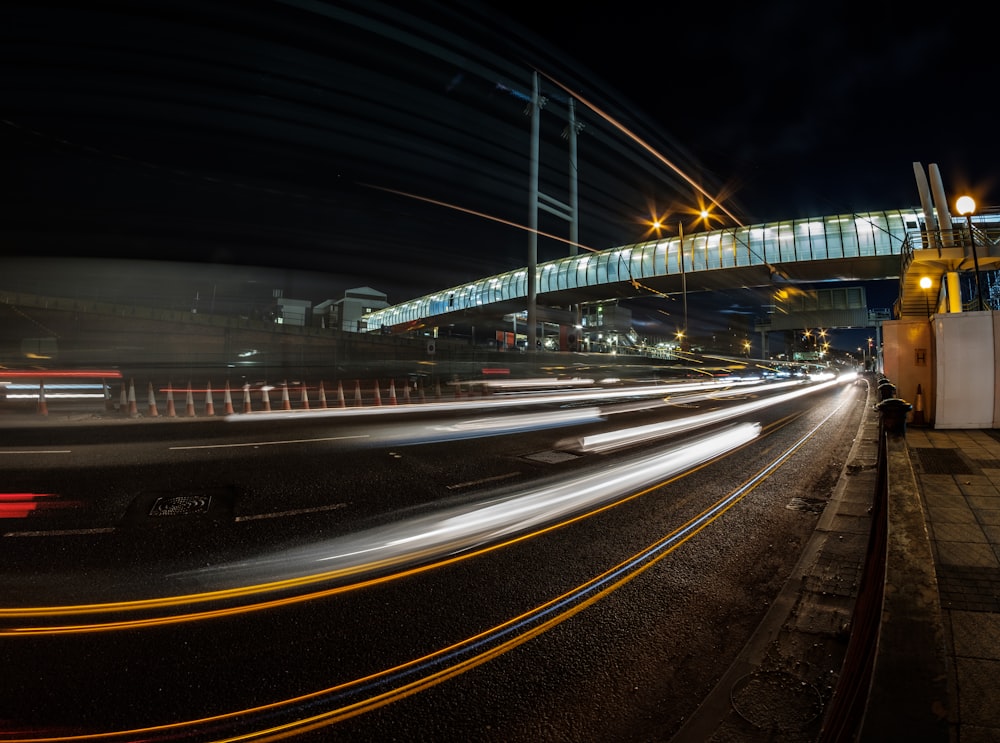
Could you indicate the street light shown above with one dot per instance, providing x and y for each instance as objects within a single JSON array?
[
  {"x": 966, "y": 205},
  {"x": 925, "y": 284}
]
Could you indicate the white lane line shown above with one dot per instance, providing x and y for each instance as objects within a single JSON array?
[
  {"x": 295, "y": 512},
  {"x": 60, "y": 532},
  {"x": 37, "y": 451},
  {"x": 269, "y": 443},
  {"x": 470, "y": 483}
]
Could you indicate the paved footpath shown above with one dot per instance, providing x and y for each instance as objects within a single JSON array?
[{"x": 958, "y": 476}]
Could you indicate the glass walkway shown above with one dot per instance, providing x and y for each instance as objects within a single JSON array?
[{"x": 841, "y": 247}]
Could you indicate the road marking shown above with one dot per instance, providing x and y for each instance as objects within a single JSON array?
[
  {"x": 296, "y": 512},
  {"x": 269, "y": 443},
  {"x": 37, "y": 451},
  {"x": 60, "y": 532},
  {"x": 470, "y": 483}
]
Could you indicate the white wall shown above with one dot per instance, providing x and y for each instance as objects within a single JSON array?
[{"x": 965, "y": 370}]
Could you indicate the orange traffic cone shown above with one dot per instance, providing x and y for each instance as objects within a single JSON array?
[
  {"x": 43, "y": 407},
  {"x": 209, "y": 404},
  {"x": 305, "y": 398},
  {"x": 228, "y": 400},
  {"x": 153, "y": 412},
  {"x": 171, "y": 410},
  {"x": 247, "y": 405},
  {"x": 378, "y": 395},
  {"x": 133, "y": 410},
  {"x": 322, "y": 395},
  {"x": 392, "y": 392},
  {"x": 123, "y": 400},
  {"x": 918, "y": 409},
  {"x": 266, "y": 398},
  {"x": 357, "y": 392},
  {"x": 190, "y": 402},
  {"x": 406, "y": 394},
  {"x": 286, "y": 404}
]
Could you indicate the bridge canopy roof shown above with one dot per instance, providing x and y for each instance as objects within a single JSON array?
[{"x": 841, "y": 247}]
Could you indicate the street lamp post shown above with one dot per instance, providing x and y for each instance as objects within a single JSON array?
[
  {"x": 925, "y": 284},
  {"x": 684, "y": 286},
  {"x": 967, "y": 206}
]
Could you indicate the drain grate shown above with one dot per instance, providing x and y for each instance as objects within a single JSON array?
[
  {"x": 942, "y": 462},
  {"x": 809, "y": 505},
  {"x": 181, "y": 505}
]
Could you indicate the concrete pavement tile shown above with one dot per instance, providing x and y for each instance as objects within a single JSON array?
[
  {"x": 978, "y": 734},
  {"x": 945, "y": 500},
  {"x": 976, "y": 634},
  {"x": 949, "y": 532},
  {"x": 957, "y": 515},
  {"x": 943, "y": 484},
  {"x": 979, "y": 490},
  {"x": 967, "y": 554},
  {"x": 984, "y": 501},
  {"x": 977, "y": 683}
]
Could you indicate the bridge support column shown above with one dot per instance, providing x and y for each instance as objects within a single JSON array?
[{"x": 953, "y": 291}]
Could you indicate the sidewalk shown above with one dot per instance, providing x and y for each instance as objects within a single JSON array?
[
  {"x": 957, "y": 474},
  {"x": 933, "y": 627}
]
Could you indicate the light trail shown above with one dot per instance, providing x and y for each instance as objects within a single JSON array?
[
  {"x": 393, "y": 546},
  {"x": 365, "y": 694},
  {"x": 566, "y": 396},
  {"x": 627, "y": 437}
]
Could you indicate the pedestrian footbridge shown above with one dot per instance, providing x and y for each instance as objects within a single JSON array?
[{"x": 842, "y": 247}]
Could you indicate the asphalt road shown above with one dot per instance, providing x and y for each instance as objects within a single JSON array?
[{"x": 200, "y": 580}]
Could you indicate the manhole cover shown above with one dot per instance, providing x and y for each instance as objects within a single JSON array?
[
  {"x": 776, "y": 700},
  {"x": 942, "y": 462},
  {"x": 181, "y": 505}
]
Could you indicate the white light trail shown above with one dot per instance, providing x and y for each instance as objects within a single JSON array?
[{"x": 468, "y": 526}]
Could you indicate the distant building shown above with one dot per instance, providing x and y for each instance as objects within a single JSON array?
[
  {"x": 291, "y": 311},
  {"x": 348, "y": 313}
]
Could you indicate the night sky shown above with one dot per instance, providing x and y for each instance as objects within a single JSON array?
[{"x": 380, "y": 145}]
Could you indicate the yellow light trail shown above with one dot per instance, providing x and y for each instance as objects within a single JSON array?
[{"x": 679, "y": 536}]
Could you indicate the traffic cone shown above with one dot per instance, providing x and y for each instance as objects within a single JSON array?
[
  {"x": 305, "y": 398},
  {"x": 133, "y": 409},
  {"x": 171, "y": 410},
  {"x": 190, "y": 402},
  {"x": 266, "y": 398},
  {"x": 123, "y": 401},
  {"x": 406, "y": 394},
  {"x": 378, "y": 395},
  {"x": 228, "y": 400},
  {"x": 153, "y": 412},
  {"x": 918, "y": 408},
  {"x": 286, "y": 404},
  {"x": 247, "y": 405},
  {"x": 322, "y": 396},
  {"x": 43, "y": 407},
  {"x": 340, "y": 395},
  {"x": 357, "y": 392},
  {"x": 209, "y": 404},
  {"x": 392, "y": 392}
]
